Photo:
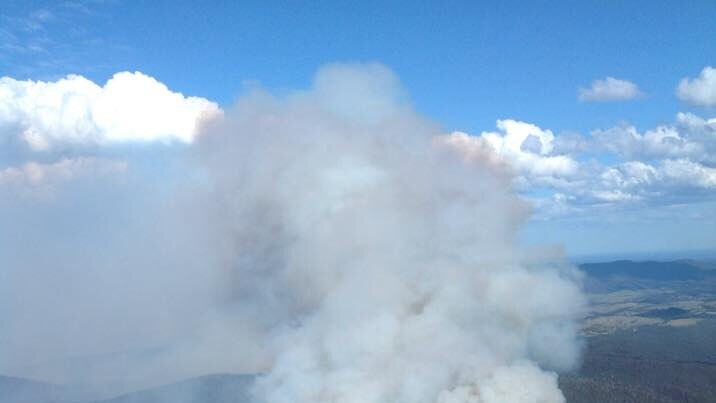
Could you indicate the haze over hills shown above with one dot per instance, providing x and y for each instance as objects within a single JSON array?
[
  {"x": 18, "y": 390},
  {"x": 677, "y": 270},
  {"x": 649, "y": 338},
  {"x": 219, "y": 388},
  {"x": 215, "y": 388}
]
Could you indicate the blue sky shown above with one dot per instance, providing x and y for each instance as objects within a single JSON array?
[{"x": 465, "y": 65}]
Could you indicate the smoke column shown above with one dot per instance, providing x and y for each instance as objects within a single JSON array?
[
  {"x": 373, "y": 259},
  {"x": 332, "y": 241}
]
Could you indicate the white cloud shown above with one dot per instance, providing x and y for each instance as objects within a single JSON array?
[
  {"x": 634, "y": 180},
  {"x": 660, "y": 142},
  {"x": 523, "y": 146},
  {"x": 610, "y": 89},
  {"x": 664, "y": 182},
  {"x": 690, "y": 173},
  {"x": 701, "y": 90},
  {"x": 696, "y": 123},
  {"x": 74, "y": 110},
  {"x": 613, "y": 167}
]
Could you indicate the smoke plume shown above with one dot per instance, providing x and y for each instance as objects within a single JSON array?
[
  {"x": 379, "y": 264},
  {"x": 332, "y": 240}
]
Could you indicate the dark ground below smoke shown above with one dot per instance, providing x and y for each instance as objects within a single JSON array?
[
  {"x": 654, "y": 364},
  {"x": 651, "y": 335}
]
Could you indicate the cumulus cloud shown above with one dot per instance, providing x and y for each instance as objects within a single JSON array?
[
  {"x": 616, "y": 167},
  {"x": 610, "y": 89},
  {"x": 523, "y": 146},
  {"x": 700, "y": 91},
  {"x": 690, "y": 173},
  {"x": 660, "y": 142},
  {"x": 76, "y": 111},
  {"x": 689, "y": 137},
  {"x": 634, "y": 180}
]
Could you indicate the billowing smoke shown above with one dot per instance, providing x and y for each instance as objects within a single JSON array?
[
  {"x": 377, "y": 262},
  {"x": 331, "y": 240}
]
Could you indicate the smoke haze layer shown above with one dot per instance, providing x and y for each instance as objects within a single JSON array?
[{"x": 332, "y": 240}]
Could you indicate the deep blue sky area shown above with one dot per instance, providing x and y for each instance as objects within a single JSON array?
[{"x": 465, "y": 64}]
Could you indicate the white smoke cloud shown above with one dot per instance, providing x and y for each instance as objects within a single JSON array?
[
  {"x": 331, "y": 240},
  {"x": 382, "y": 266},
  {"x": 76, "y": 111},
  {"x": 701, "y": 90},
  {"x": 610, "y": 89}
]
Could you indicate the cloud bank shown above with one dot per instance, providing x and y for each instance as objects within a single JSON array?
[
  {"x": 669, "y": 164},
  {"x": 75, "y": 111},
  {"x": 610, "y": 89}
]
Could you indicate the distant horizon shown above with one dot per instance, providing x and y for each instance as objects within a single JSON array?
[{"x": 662, "y": 256}]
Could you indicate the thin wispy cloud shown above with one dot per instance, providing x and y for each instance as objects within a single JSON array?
[
  {"x": 50, "y": 41},
  {"x": 25, "y": 33},
  {"x": 610, "y": 89}
]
